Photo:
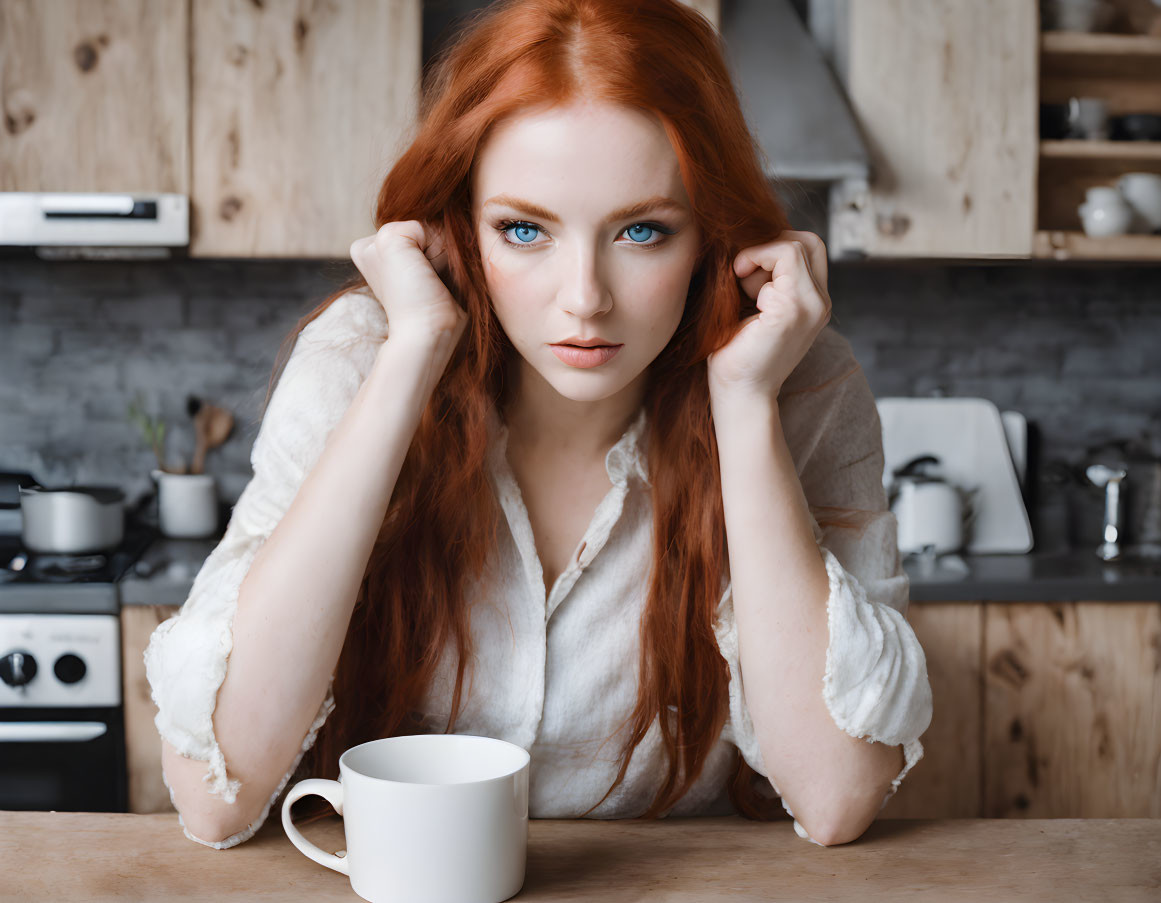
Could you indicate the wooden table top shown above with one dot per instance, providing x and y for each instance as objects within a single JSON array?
[{"x": 52, "y": 856}]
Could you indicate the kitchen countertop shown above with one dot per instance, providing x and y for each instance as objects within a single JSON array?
[
  {"x": 51, "y": 856},
  {"x": 1067, "y": 576},
  {"x": 1076, "y": 575},
  {"x": 170, "y": 566}
]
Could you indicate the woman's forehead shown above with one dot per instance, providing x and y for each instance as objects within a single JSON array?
[
  {"x": 579, "y": 118},
  {"x": 616, "y": 152}
]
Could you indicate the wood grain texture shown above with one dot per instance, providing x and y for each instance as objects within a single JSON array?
[
  {"x": 147, "y": 792},
  {"x": 299, "y": 109},
  {"x": 946, "y": 782},
  {"x": 85, "y": 857},
  {"x": 946, "y": 92},
  {"x": 1041, "y": 710},
  {"x": 1073, "y": 703},
  {"x": 95, "y": 95}
]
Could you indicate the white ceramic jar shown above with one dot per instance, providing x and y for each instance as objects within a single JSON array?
[
  {"x": 187, "y": 504},
  {"x": 1105, "y": 212}
]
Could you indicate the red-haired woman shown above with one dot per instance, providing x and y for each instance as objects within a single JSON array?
[{"x": 447, "y": 484}]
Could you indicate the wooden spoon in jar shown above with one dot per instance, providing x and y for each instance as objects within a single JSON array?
[{"x": 212, "y": 426}]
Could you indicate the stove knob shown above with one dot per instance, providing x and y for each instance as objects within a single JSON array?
[
  {"x": 69, "y": 668},
  {"x": 17, "y": 668}
]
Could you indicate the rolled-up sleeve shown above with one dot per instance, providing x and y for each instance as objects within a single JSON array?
[
  {"x": 875, "y": 685},
  {"x": 186, "y": 657}
]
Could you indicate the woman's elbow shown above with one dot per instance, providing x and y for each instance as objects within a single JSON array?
[{"x": 209, "y": 819}]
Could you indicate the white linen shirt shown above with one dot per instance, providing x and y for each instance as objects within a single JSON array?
[{"x": 556, "y": 667}]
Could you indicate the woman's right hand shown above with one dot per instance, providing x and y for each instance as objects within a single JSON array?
[{"x": 403, "y": 263}]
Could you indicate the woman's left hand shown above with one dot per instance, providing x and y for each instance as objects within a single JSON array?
[{"x": 787, "y": 280}]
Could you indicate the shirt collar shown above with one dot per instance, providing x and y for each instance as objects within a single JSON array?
[{"x": 627, "y": 458}]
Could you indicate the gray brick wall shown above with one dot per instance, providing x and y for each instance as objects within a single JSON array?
[
  {"x": 78, "y": 341},
  {"x": 1077, "y": 348}
]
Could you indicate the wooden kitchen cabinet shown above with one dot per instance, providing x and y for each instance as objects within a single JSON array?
[
  {"x": 1073, "y": 710},
  {"x": 298, "y": 111},
  {"x": 1124, "y": 70},
  {"x": 946, "y": 94},
  {"x": 279, "y": 119},
  {"x": 1041, "y": 710},
  {"x": 95, "y": 94},
  {"x": 147, "y": 792},
  {"x": 947, "y": 778}
]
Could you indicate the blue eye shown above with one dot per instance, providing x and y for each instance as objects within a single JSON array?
[
  {"x": 644, "y": 226},
  {"x": 526, "y": 233},
  {"x": 524, "y": 228}
]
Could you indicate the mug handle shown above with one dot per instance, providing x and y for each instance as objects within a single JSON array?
[{"x": 332, "y": 792}]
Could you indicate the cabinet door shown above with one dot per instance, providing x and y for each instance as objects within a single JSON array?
[
  {"x": 946, "y": 782},
  {"x": 946, "y": 94},
  {"x": 147, "y": 791},
  {"x": 96, "y": 95},
  {"x": 1073, "y": 710},
  {"x": 299, "y": 110}
]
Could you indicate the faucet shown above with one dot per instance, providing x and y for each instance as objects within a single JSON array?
[{"x": 1111, "y": 479}]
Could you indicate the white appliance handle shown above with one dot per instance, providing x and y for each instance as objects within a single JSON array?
[{"x": 51, "y": 731}]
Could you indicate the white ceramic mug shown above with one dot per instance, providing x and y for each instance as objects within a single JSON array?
[
  {"x": 187, "y": 504},
  {"x": 427, "y": 817},
  {"x": 1088, "y": 117}
]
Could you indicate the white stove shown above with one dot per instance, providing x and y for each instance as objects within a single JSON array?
[{"x": 62, "y": 726}]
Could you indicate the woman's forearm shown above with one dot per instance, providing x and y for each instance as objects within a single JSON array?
[
  {"x": 296, "y": 601},
  {"x": 780, "y": 589}
]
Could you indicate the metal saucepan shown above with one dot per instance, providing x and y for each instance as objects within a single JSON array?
[{"x": 70, "y": 520}]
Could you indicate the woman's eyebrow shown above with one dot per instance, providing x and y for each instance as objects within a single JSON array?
[{"x": 639, "y": 208}]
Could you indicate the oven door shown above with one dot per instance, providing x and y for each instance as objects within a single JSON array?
[{"x": 63, "y": 759}]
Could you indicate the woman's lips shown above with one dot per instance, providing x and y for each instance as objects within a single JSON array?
[{"x": 576, "y": 356}]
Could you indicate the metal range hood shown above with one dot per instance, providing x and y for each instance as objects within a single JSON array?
[{"x": 791, "y": 98}]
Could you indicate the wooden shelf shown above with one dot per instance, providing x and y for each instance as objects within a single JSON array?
[
  {"x": 1099, "y": 44},
  {"x": 1081, "y": 149},
  {"x": 1122, "y": 68},
  {"x": 1059, "y": 245},
  {"x": 1125, "y": 71}
]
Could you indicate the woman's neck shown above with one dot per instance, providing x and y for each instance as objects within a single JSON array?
[{"x": 541, "y": 421}]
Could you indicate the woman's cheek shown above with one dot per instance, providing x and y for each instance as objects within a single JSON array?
[
  {"x": 666, "y": 285},
  {"x": 514, "y": 274},
  {"x": 498, "y": 271}
]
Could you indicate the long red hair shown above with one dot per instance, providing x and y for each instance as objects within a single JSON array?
[{"x": 664, "y": 58}]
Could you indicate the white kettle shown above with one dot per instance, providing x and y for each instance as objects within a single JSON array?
[{"x": 929, "y": 510}]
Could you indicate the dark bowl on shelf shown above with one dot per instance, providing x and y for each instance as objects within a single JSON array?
[
  {"x": 1136, "y": 127},
  {"x": 1053, "y": 121}
]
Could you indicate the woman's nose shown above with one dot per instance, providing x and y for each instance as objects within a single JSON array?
[{"x": 584, "y": 292}]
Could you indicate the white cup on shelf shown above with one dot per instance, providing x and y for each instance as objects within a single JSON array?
[{"x": 1088, "y": 118}]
